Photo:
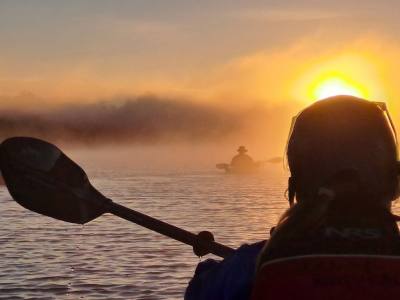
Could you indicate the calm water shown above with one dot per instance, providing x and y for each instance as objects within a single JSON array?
[{"x": 111, "y": 258}]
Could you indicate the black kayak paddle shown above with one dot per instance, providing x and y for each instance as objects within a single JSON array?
[{"x": 41, "y": 178}]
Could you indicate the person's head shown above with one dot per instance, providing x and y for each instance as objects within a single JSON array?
[
  {"x": 242, "y": 150},
  {"x": 340, "y": 134},
  {"x": 334, "y": 142}
]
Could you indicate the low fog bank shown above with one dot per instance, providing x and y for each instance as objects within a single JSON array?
[{"x": 141, "y": 120}]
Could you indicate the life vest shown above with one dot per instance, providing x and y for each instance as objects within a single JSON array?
[
  {"x": 329, "y": 277},
  {"x": 351, "y": 261}
]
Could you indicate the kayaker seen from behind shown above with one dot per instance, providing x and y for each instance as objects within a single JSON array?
[
  {"x": 240, "y": 163},
  {"x": 343, "y": 160}
]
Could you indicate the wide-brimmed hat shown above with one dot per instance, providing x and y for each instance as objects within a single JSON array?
[{"x": 242, "y": 149}]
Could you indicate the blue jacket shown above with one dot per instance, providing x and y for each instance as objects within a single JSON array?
[{"x": 230, "y": 279}]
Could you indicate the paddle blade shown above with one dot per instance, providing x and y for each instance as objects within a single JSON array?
[{"x": 41, "y": 178}]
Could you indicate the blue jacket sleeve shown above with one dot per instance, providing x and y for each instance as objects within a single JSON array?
[{"x": 230, "y": 279}]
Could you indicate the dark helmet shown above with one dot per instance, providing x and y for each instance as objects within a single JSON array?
[{"x": 343, "y": 133}]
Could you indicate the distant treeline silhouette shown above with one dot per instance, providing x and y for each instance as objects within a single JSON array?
[{"x": 141, "y": 119}]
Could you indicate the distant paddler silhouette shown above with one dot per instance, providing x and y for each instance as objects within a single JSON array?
[
  {"x": 242, "y": 160},
  {"x": 240, "y": 163}
]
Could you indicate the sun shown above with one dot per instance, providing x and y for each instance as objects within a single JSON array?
[
  {"x": 352, "y": 74},
  {"x": 330, "y": 84},
  {"x": 334, "y": 86}
]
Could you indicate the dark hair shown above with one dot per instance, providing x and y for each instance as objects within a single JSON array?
[{"x": 336, "y": 140}]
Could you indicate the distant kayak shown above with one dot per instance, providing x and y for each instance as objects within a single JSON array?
[
  {"x": 253, "y": 168},
  {"x": 241, "y": 163}
]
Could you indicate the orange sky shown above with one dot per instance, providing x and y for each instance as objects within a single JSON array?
[{"x": 296, "y": 74}]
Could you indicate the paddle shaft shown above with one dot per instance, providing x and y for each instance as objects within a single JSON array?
[{"x": 166, "y": 229}]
